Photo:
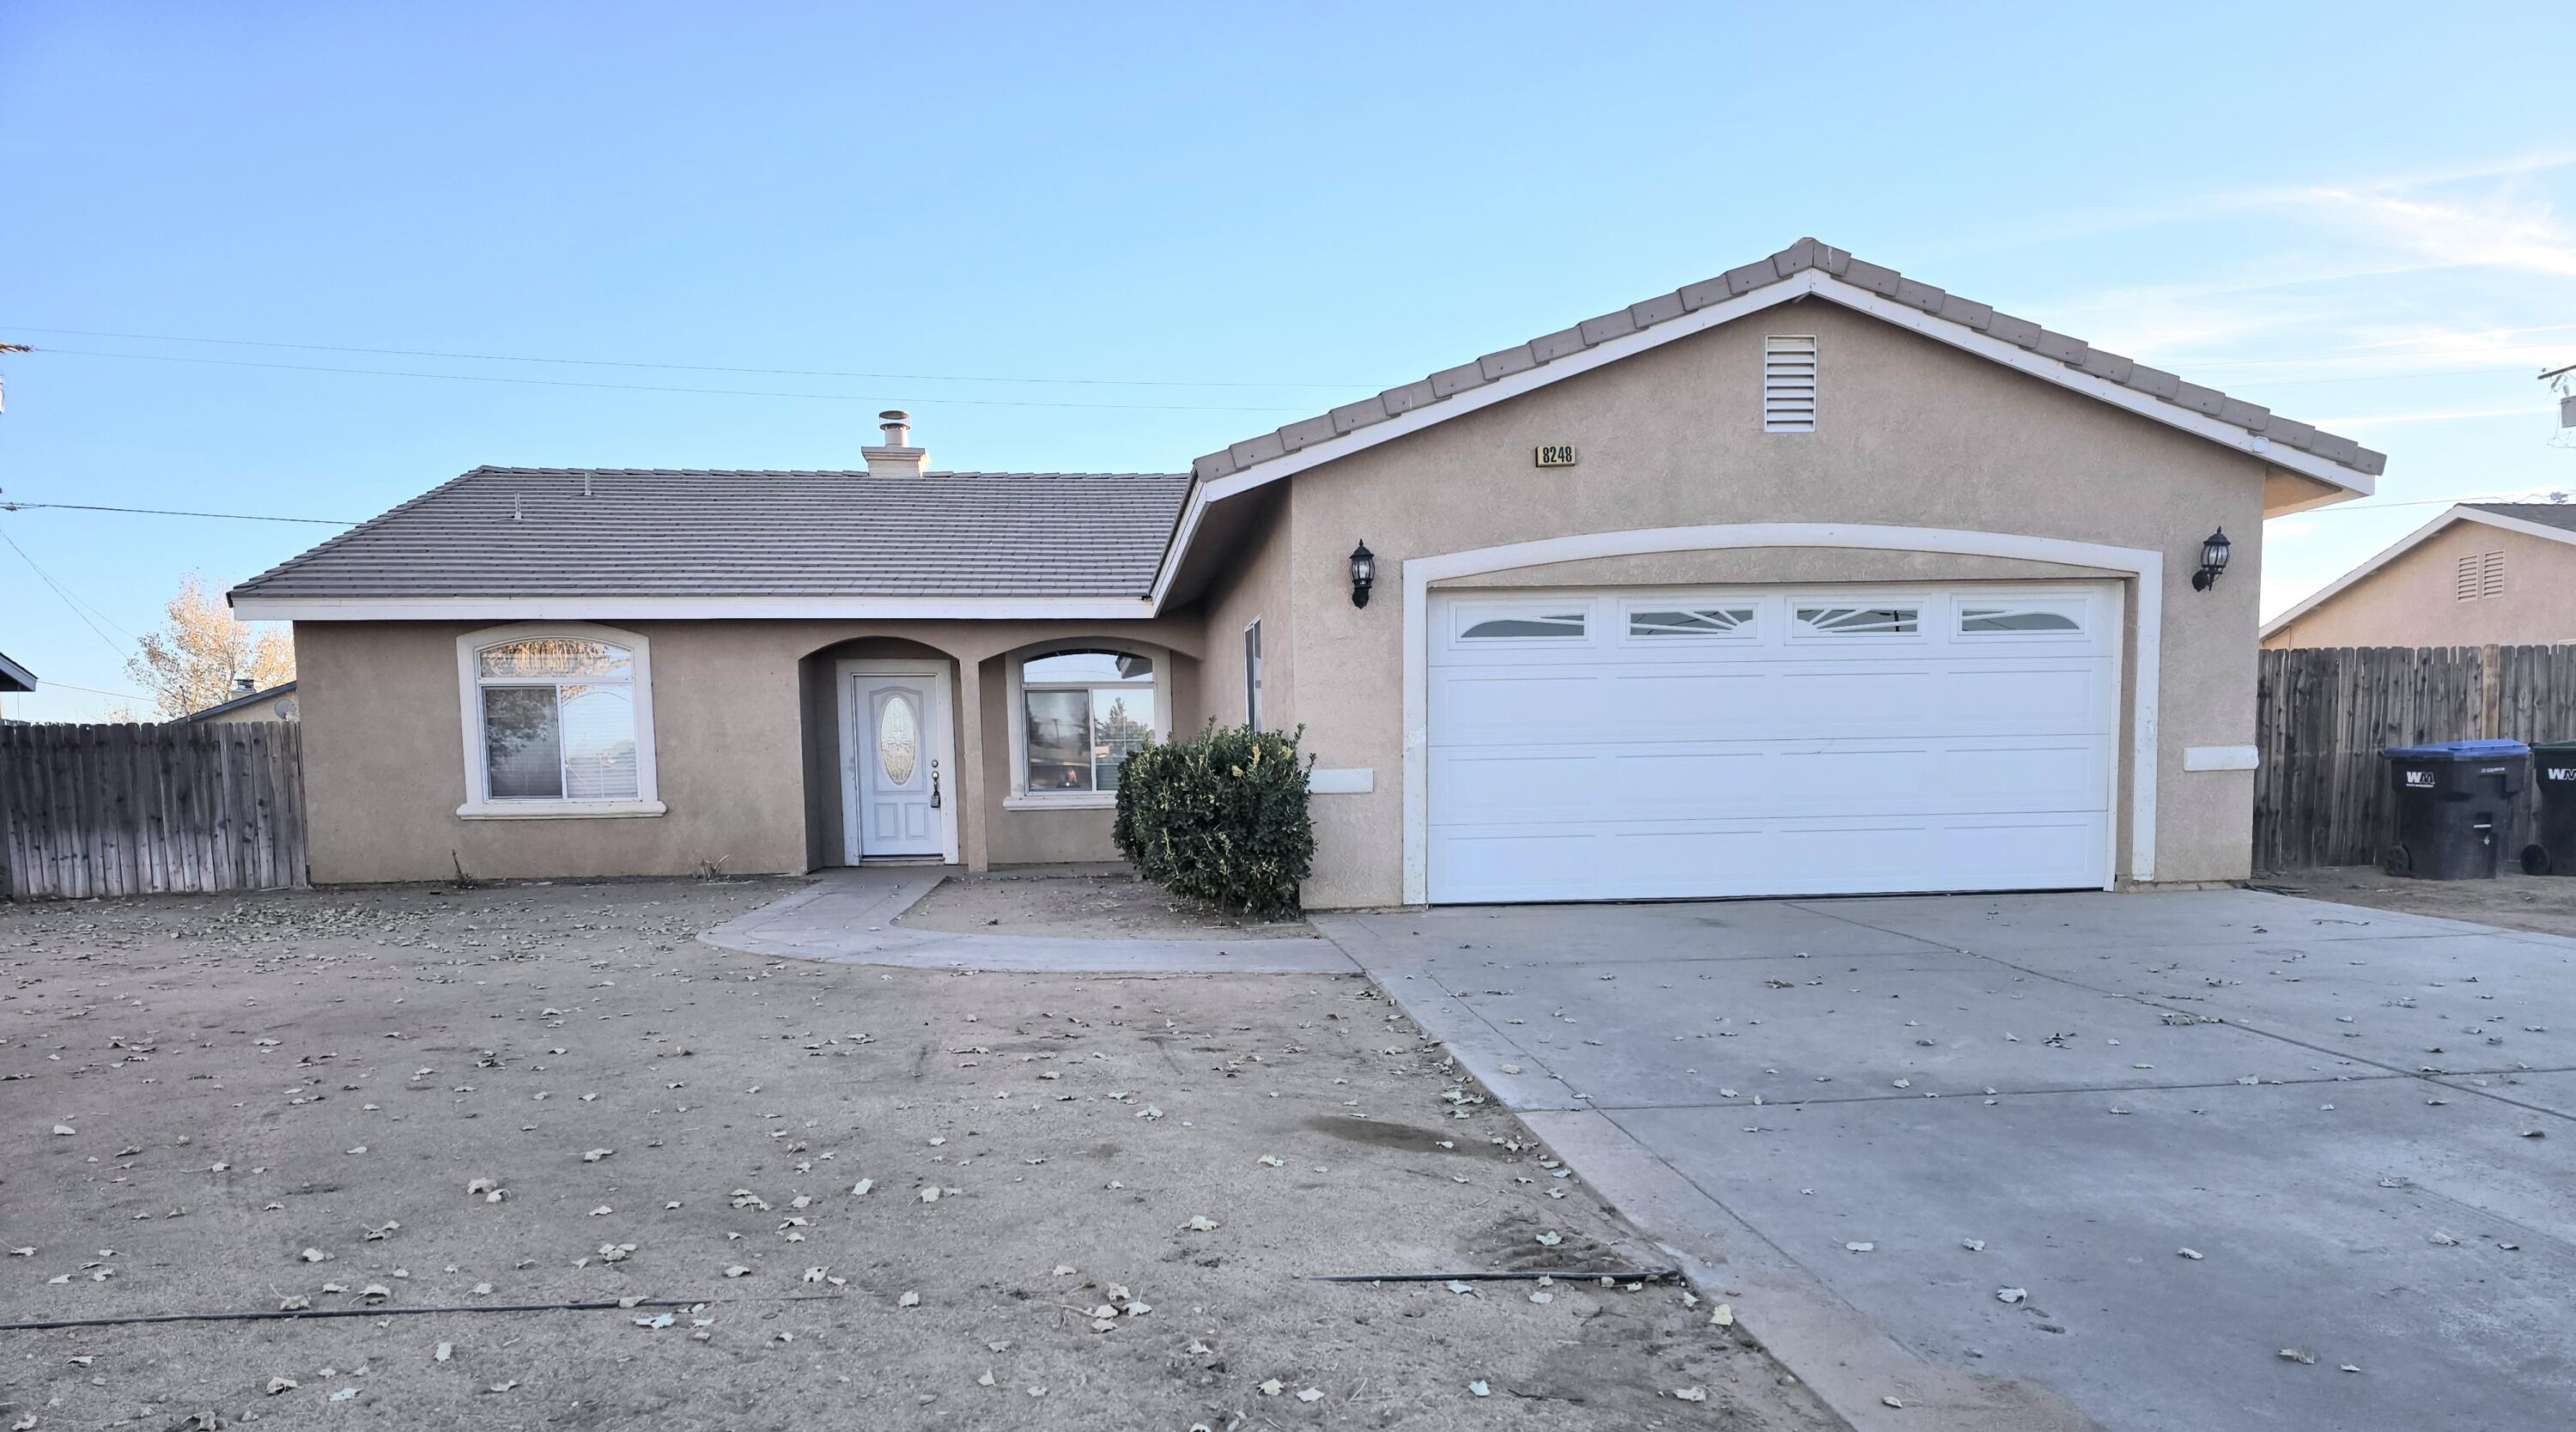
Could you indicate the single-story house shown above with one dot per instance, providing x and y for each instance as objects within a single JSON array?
[
  {"x": 249, "y": 702},
  {"x": 2482, "y": 573},
  {"x": 1811, "y": 578},
  {"x": 14, "y": 677}
]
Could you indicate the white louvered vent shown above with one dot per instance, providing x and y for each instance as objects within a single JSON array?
[
  {"x": 2478, "y": 576},
  {"x": 1788, "y": 384}
]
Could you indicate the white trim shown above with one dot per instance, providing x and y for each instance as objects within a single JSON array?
[
  {"x": 1341, "y": 781},
  {"x": 1811, "y": 283},
  {"x": 940, "y": 723},
  {"x": 2459, "y": 512},
  {"x": 608, "y": 608},
  {"x": 479, "y": 804},
  {"x": 17, "y": 673},
  {"x": 558, "y": 810},
  {"x": 1252, "y": 673},
  {"x": 1018, "y": 796},
  {"x": 1063, "y": 800},
  {"x": 2221, "y": 758},
  {"x": 1420, "y": 572}
]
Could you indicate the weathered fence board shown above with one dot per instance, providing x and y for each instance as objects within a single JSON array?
[
  {"x": 146, "y": 810},
  {"x": 2323, "y": 715}
]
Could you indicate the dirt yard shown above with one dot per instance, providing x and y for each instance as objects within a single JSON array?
[
  {"x": 885, "y": 1199},
  {"x": 2546, "y": 903},
  {"x": 1092, "y": 904}
]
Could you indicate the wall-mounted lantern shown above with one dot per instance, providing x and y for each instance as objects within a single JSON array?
[
  {"x": 2213, "y": 560},
  {"x": 1363, "y": 574}
]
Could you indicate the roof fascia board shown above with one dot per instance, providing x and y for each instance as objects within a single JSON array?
[
  {"x": 2119, "y": 395},
  {"x": 1460, "y": 404},
  {"x": 2460, "y": 512},
  {"x": 12, "y": 671},
  {"x": 1811, "y": 282},
  {"x": 2387, "y": 555},
  {"x": 668, "y": 608}
]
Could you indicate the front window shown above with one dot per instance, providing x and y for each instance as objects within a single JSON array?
[
  {"x": 558, "y": 720},
  {"x": 1084, "y": 713}
]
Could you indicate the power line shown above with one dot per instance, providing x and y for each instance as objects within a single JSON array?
[
  {"x": 10, "y": 506},
  {"x": 49, "y": 684},
  {"x": 684, "y": 367},
  {"x": 670, "y": 388},
  {"x": 68, "y": 599}
]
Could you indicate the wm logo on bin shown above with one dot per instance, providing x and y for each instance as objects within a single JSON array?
[
  {"x": 2558, "y": 773},
  {"x": 2419, "y": 778}
]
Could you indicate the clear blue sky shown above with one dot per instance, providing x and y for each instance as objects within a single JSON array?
[{"x": 2341, "y": 211}]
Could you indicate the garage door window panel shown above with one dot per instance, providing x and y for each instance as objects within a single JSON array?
[
  {"x": 1680, "y": 623},
  {"x": 1838, "y": 622},
  {"x": 1997, "y": 619},
  {"x": 1522, "y": 626}
]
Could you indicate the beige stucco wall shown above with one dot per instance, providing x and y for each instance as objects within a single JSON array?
[
  {"x": 2412, "y": 601},
  {"x": 1910, "y": 433},
  {"x": 1253, "y": 584},
  {"x": 732, "y": 705}
]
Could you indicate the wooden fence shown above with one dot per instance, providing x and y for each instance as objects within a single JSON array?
[
  {"x": 2323, "y": 716},
  {"x": 142, "y": 810}
]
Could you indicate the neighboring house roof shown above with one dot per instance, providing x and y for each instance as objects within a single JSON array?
[
  {"x": 14, "y": 677},
  {"x": 1807, "y": 268},
  {"x": 2551, "y": 520},
  {"x": 513, "y": 532},
  {"x": 247, "y": 698}
]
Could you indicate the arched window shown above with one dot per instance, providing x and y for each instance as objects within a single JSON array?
[
  {"x": 1079, "y": 712},
  {"x": 558, "y": 721}
]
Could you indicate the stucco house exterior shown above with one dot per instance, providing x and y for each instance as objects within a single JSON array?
[
  {"x": 2480, "y": 574},
  {"x": 1811, "y": 578}
]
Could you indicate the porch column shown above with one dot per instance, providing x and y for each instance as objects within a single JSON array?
[{"x": 973, "y": 819}]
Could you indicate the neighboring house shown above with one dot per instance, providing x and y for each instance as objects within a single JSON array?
[
  {"x": 14, "y": 677},
  {"x": 249, "y": 703},
  {"x": 2482, "y": 573},
  {"x": 1811, "y": 578}
]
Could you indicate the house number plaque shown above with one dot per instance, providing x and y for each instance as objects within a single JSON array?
[{"x": 1556, "y": 455}]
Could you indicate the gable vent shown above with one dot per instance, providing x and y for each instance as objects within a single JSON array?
[
  {"x": 1788, "y": 384},
  {"x": 2479, "y": 576}
]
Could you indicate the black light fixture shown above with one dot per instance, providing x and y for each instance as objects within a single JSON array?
[
  {"x": 2213, "y": 560},
  {"x": 1363, "y": 574}
]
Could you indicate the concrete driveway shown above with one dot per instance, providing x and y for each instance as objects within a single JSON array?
[{"x": 2363, "y": 1123}]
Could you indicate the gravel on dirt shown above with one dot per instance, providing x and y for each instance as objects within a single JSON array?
[
  {"x": 895, "y": 1198},
  {"x": 2545, "y": 903},
  {"x": 1105, "y": 904}
]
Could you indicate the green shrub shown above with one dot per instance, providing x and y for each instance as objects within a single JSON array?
[{"x": 1221, "y": 818}]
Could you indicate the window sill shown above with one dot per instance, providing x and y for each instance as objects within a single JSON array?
[
  {"x": 558, "y": 810},
  {"x": 1075, "y": 800}
]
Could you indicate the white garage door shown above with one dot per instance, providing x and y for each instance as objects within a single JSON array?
[{"x": 1649, "y": 743}]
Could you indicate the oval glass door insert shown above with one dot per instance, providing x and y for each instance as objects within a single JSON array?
[{"x": 898, "y": 744}]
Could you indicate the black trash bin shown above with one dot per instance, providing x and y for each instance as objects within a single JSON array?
[
  {"x": 2459, "y": 808},
  {"x": 2553, "y": 841}
]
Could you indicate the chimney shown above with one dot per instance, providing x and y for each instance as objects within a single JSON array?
[
  {"x": 897, "y": 457},
  {"x": 244, "y": 686}
]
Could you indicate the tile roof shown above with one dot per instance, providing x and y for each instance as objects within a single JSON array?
[
  {"x": 1800, "y": 257},
  {"x": 2548, "y": 514},
  {"x": 518, "y": 531}
]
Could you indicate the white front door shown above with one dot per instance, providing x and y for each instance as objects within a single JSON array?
[
  {"x": 898, "y": 786},
  {"x": 1665, "y": 743}
]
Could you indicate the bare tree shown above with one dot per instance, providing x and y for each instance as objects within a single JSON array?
[{"x": 195, "y": 661}]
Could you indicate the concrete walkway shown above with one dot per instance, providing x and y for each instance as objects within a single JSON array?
[
  {"x": 848, "y": 917},
  {"x": 1874, "y": 1119}
]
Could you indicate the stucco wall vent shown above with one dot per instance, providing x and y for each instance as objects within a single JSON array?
[
  {"x": 1789, "y": 384},
  {"x": 2479, "y": 575}
]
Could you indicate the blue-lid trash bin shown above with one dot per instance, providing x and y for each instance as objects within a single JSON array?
[{"x": 2459, "y": 808}]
